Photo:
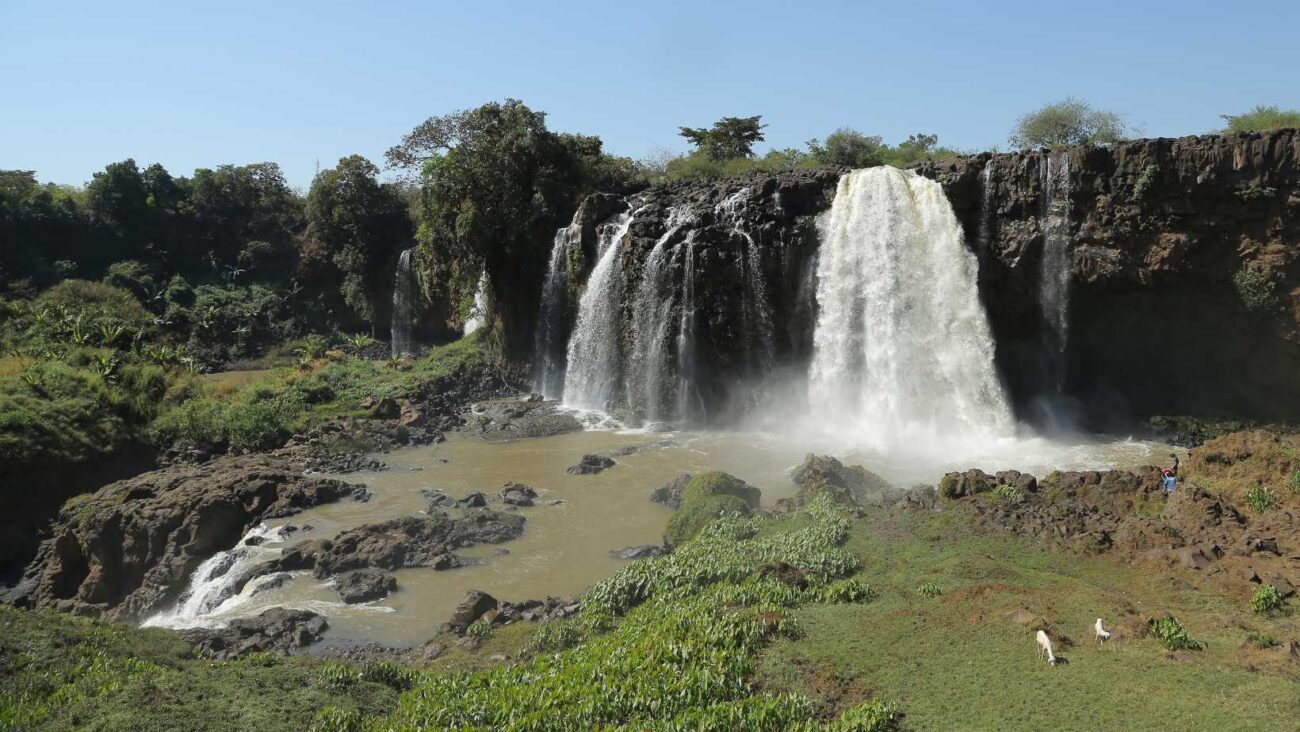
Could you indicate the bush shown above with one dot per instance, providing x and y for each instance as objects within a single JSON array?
[
  {"x": 1263, "y": 118},
  {"x": 929, "y": 589},
  {"x": 1009, "y": 493},
  {"x": 1255, "y": 192},
  {"x": 1173, "y": 635},
  {"x": 1144, "y": 182},
  {"x": 1260, "y": 498},
  {"x": 875, "y": 716},
  {"x": 1255, "y": 289},
  {"x": 1265, "y": 599},
  {"x": 1066, "y": 123},
  {"x": 1295, "y": 482},
  {"x": 692, "y": 516}
]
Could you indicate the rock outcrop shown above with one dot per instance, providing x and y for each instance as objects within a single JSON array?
[
  {"x": 278, "y": 630},
  {"x": 364, "y": 585},
  {"x": 852, "y": 485},
  {"x": 128, "y": 548}
]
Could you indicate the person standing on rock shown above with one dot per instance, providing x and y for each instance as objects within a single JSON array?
[
  {"x": 1167, "y": 480},
  {"x": 1174, "y": 469}
]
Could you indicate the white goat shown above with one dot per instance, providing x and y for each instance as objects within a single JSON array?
[
  {"x": 1045, "y": 647},
  {"x": 1103, "y": 635}
]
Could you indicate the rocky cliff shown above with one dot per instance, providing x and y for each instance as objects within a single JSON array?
[{"x": 1177, "y": 290}]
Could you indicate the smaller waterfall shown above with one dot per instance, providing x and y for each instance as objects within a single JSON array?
[
  {"x": 690, "y": 406},
  {"x": 478, "y": 314},
  {"x": 222, "y": 582},
  {"x": 988, "y": 208},
  {"x": 592, "y": 376},
  {"x": 651, "y": 325},
  {"x": 553, "y": 316},
  {"x": 756, "y": 310},
  {"x": 403, "y": 302},
  {"x": 1054, "y": 288}
]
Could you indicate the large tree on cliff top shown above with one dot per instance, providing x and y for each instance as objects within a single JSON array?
[
  {"x": 1067, "y": 123},
  {"x": 495, "y": 185},
  {"x": 728, "y": 138}
]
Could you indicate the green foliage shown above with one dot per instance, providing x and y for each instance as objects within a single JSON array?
[
  {"x": 1173, "y": 635},
  {"x": 728, "y": 138},
  {"x": 1256, "y": 290},
  {"x": 1008, "y": 493},
  {"x": 480, "y": 629},
  {"x": 1260, "y": 498},
  {"x": 1265, "y": 599},
  {"x": 1294, "y": 482},
  {"x": 1261, "y": 640},
  {"x": 704, "y": 499},
  {"x": 1067, "y": 123},
  {"x": 875, "y": 716},
  {"x": 1255, "y": 192},
  {"x": 1144, "y": 182},
  {"x": 1263, "y": 118},
  {"x": 929, "y": 589}
]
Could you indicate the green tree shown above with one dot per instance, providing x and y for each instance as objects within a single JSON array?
[
  {"x": 360, "y": 225},
  {"x": 1068, "y": 122},
  {"x": 729, "y": 138},
  {"x": 237, "y": 205},
  {"x": 495, "y": 185},
  {"x": 849, "y": 148},
  {"x": 1263, "y": 118}
]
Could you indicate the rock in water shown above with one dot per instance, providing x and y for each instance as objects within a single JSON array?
[
  {"x": 413, "y": 541},
  {"x": 591, "y": 464},
  {"x": 670, "y": 493},
  {"x": 277, "y": 630},
  {"x": 644, "y": 551},
  {"x": 365, "y": 585}
]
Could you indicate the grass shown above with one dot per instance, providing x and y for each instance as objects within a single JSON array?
[{"x": 957, "y": 663}]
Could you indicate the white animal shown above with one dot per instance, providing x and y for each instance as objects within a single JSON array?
[
  {"x": 1103, "y": 635},
  {"x": 1045, "y": 647}
]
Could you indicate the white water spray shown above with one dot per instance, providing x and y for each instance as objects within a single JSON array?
[
  {"x": 1054, "y": 292},
  {"x": 651, "y": 325},
  {"x": 221, "y": 583},
  {"x": 592, "y": 378},
  {"x": 478, "y": 314},
  {"x": 553, "y": 318},
  {"x": 902, "y": 348}
]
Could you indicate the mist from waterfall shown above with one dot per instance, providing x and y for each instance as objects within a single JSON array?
[
  {"x": 903, "y": 352},
  {"x": 1054, "y": 287},
  {"x": 403, "y": 321},
  {"x": 553, "y": 317},
  {"x": 592, "y": 379},
  {"x": 478, "y": 313}
]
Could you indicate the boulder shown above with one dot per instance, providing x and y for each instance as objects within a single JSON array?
[
  {"x": 591, "y": 465},
  {"x": 364, "y": 585},
  {"x": 474, "y": 606},
  {"x": 414, "y": 541},
  {"x": 517, "y": 494},
  {"x": 852, "y": 485},
  {"x": 473, "y": 500},
  {"x": 644, "y": 551},
  {"x": 278, "y": 630},
  {"x": 385, "y": 408},
  {"x": 438, "y": 499},
  {"x": 670, "y": 493}
]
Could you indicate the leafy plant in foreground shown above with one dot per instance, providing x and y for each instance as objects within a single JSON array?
[
  {"x": 1260, "y": 498},
  {"x": 1173, "y": 635},
  {"x": 1265, "y": 599}
]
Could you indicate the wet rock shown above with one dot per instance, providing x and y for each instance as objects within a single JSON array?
[
  {"x": 364, "y": 585},
  {"x": 414, "y": 541},
  {"x": 125, "y": 558},
  {"x": 644, "y": 551},
  {"x": 271, "y": 582},
  {"x": 474, "y": 606},
  {"x": 277, "y": 630},
  {"x": 447, "y": 561},
  {"x": 385, "y": 408},
  {"x": 473, "y": 500},
  {"x": 670, "y": 493},
  {"x": 517, "y": 494},
  {"x": 516, "y": 420},
  {"x": 969, "y": 483},
  {"x": 852, "y": 485},
  {"x": 362, "y": 495},
  {"x": 591, "y": 465},
  {"x": 438, "y": 499}
]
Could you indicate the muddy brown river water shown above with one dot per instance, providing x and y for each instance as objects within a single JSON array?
[{"x": 565, "y": 547}]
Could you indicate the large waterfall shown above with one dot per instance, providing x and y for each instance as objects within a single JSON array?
[
  {"x": 593, "y": 376},
  {"x": 403, "y": 302},
  {"x": 902, "y": 348},
  {"x": 553, "y": 318},
  {"x": 1054, "y": 292}
]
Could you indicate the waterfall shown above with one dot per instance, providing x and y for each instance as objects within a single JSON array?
[
  {"x": 651, "y": 325},
  {"x": 403, "y": 319},
  {"x": 223, "y": 581},
  {"x": 1054, "y": 290},
  {"x": 553, "y": 317},
  {"x": 478, "y": 314},
  {"x": 988, "y": 207},
  {"x": 756, "y": 310},
  {"x": 592, "y": 376},
  {"x": 902, "y": 349},
  {"x": 689, "y": 405}
]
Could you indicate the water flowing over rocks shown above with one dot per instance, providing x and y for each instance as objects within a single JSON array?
[{"x": 127, "y": 549}]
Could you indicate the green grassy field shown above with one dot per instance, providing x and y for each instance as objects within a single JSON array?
[{"x": 956, "y": 662}]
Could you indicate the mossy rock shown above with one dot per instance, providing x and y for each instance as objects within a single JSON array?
[
  {"x": 718, "y": 483},
  {"x": 695, "y": 514}
]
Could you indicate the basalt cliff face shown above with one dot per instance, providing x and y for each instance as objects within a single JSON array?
[{"x": 1151, "y": 277}]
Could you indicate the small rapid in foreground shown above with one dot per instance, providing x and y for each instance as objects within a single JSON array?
[{"x": 902, "y": 347}]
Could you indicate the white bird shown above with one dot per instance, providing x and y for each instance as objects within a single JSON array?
[
  {"x": 1045, "y": 647},
  {"x": 1103, "y": 635}
]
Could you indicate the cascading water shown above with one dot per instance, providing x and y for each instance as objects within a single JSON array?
[
  {"x": 553, "y": 318},
  {"x": 651, "y": 325},
  {"x": 988, "y": 207},
  {"x": 222, "y": 582},
  {"x": 403, "y": 299},
  {"x": 756, "y": 311},
  {"x": 478, "y": 315},
  {"x": 902, "y": 350},
  {"x": 1054, "y": 288},
  {"x": 689, "y": 405},
  {"x": 594, "y": 369}
]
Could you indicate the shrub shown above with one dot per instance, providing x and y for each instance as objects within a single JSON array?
[
  {"x": 480, "y": 629},
  {"x": 1255, "y": 289},
  {"x": 1261, "y": 640},
  {"x": 1263, "y": 118},
  {"x": 1295, "y": 482},
  {"x": 1009, "y": 493},
  {"x": 1173, "y": 635},
  {"x": 1265, "y": 599},
  {"x": 1255, "y": 192},
  {"x": 1068, "y": 122},
  {"x": 929, "y": 589},
  {"x": 1260, "y": 498},
  {"x": 692, "y": 516},
  {"x": 1144, "y": 182},
  {"x": 874, "y": 716}
]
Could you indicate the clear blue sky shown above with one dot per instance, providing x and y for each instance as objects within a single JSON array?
[{"x": 193, "y": 84}]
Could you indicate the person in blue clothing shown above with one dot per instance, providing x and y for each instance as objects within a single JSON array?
[{"x": 1168, "y": 480}]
